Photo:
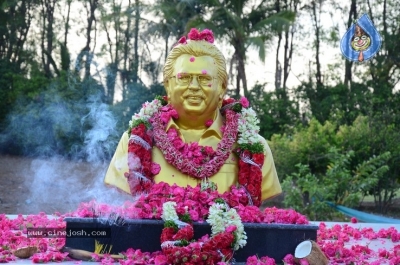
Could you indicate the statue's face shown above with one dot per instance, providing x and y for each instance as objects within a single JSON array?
[{"x": 195, "y": 89}]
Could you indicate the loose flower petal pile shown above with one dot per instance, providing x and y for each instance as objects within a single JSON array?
[
  {"x": 342, "y": 244},
  {"x": 195, "y": 201}
]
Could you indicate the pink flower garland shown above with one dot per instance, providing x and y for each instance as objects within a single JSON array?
[
  {"x": 196, "y": 35},
  {"x": 206, "y": 35},
  {"x": 194, "y": 151},
  {"x": 187, "y": 165}
]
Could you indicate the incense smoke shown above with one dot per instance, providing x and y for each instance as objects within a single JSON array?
[{"x": 70, "y": 143}]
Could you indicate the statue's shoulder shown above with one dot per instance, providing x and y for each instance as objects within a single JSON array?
[{"x": 264, "y": 142}]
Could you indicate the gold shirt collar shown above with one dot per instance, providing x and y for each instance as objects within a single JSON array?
[{"x": 213, "y": 130}]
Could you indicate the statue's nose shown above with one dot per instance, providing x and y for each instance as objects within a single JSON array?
[{"x": 194, "y": 84}]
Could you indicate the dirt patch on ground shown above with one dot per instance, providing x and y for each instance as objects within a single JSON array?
[
  {"x": 13, "y": 189},
  {"x": 30, "y": 186}
]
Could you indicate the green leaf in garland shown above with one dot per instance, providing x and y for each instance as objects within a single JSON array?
[
  {"x": 162, "y": 99},
  {"x": 220, "y": 201},
  {"x": 185, "y": 218},
  {"x": 136, "y": 123},
  {"x": 237, "y": 107},
  {"x": 235, "y": 238},
  {"x": 172, "y": 224},
  {"x": 182, "y": 243},
  {"x": 255, "y": 148}
]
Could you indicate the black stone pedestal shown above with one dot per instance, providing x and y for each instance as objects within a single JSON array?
[{"x": 273, "y": 240}]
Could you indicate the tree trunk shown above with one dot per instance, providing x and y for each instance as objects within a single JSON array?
[
  {"x": 383, "y": 66},
  {"x": 242, "y": 74},
  {"x": 125, "y": 71},
  {"x": 289, "y": 34},
  {"x": 237, "y": 85},
  {"x": 66, "y": 24},
  {"x": 14, "y": 30},
  {"x": 111, "y": 77},
  {"x": 47, "y": 36},
  {"x": 278, "y": 68},
  {"x": 135, "y": 65},
  {"x": 110, "y": 23},
  {"x": 241, "y": 71},
  {"x": 318, "y": 74},
  {"x": 348, "y": 64},
  {"x": 93, "y": 4}
]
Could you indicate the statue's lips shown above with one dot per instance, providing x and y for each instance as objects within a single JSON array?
[{"x": 194, "y": 97}]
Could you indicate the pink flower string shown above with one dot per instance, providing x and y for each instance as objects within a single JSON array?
[
  {"x": 199, "y": 154},
  {"x": 206, "y": 35},
  {"x": 186, "y": 165}
]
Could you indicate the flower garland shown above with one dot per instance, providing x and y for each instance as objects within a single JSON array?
[
  {"x": 190, "y": 158},
  {"x": 221, "y": 219},
  {"x": 194, "y": 34},
  {"x": 250, "y": 151},
  {"x": 227, "y": 236},
  {"x": 194, "y": 167},
  {"x": 141, "y": 168}
]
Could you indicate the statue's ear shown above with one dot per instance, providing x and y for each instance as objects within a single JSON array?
[
  {"x": 222, "y": 90},
  {"x": 167, "y": 88},
  {"x": 221, "y": 94}
]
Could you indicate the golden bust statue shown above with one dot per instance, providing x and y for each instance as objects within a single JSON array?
[{"x": 193, "y": 119}]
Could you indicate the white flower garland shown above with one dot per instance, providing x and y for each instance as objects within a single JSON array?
[
  {"x": 248, "y": 127},
  {"x": 148, "y": 109},
  {"x": 169, "y": 212},
  {"x": 220, "y": 218}
]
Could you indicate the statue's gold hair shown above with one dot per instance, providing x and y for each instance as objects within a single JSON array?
[{"x": 196, "y": 48}]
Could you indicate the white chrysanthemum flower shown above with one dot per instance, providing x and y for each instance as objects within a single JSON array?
[
  {"x": 169, "y": 212},
  {"x": 248, "y": 127},
  {"x": 148, "y": 109},
  {"x": 233, "y": 218},
  {"x": 220, "y": 218},
  {"x": 216, "y": 218}
]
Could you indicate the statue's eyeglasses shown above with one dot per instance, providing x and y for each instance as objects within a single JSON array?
[{"x": 186, "y": 79}]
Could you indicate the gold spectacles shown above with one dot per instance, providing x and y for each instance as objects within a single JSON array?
[{"x": 186, "y": 79}]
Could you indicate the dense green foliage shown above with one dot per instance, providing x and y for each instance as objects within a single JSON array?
[
  {"x": 339, "y": 164},
  {"x": 334, "y": 135},
  {"x": 309, "y": 193}
]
